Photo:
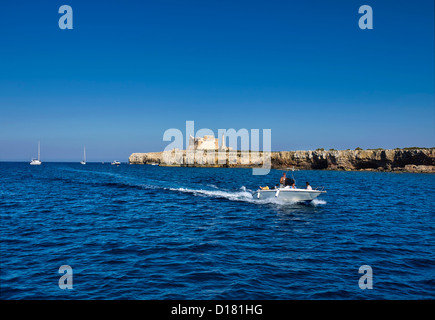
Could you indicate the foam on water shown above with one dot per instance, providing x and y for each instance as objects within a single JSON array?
[
  {"x": 230, "y": 195},
  {"x": 317, "y": 202}
]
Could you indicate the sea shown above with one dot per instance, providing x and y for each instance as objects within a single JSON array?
[{"x": 142, "y": 232}]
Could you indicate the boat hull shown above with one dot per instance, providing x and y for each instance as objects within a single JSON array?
[{"x": 288, "y": 195}]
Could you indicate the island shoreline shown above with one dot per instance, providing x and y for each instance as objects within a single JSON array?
[{"x": 413, "y": 160}]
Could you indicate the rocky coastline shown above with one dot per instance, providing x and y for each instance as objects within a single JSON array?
[{"x": 416, "y": 160}]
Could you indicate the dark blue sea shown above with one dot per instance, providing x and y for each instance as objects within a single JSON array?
[{"x": 149, "y": 232}]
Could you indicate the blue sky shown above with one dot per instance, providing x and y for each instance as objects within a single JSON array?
[{"x": 129, "y": 70}]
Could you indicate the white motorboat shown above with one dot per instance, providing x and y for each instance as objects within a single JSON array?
[
  {"x": 84, "y": 156},
  {"x": 116, "y": 163},
  {"x": 36, "y": 162},
  {"x": 288, "y": 194}
]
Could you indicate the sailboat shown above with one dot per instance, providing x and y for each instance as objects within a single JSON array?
[
  {"x": 84, "y": 156},
  {"x": 36, "y": 162}
]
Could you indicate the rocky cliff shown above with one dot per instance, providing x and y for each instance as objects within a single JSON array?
[{"x": 397, "y": 160}]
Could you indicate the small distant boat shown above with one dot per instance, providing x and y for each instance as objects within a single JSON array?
[
  {"x": 84, "y": 156},
  {"x": 117, "y": 163},
  {"x": 36, "y": 162},
  {"x": 154, "y": 164}
]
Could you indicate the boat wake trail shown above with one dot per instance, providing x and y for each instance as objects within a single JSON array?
[
  {"x": 242, "y": 195},
  {"x": 117, "y": 180}
]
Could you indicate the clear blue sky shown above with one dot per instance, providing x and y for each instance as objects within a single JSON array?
[{"x": 129, "y": 70}]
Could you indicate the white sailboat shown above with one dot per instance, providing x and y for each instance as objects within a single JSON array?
[
  {"x": 84, "y": 156},
  {"x": 36, "y": 162}
]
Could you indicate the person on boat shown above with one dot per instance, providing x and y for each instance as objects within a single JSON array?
[
  {"x": 289, "y": 182},
  {"x": 264, "y": 188},
  {"x": 290, "y": 186},
  {"x": 282, "y": 180},
  {"x": 309, "y": 187}
]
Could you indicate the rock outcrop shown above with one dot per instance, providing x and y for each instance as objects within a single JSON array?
[{"x": 397, "y": 160}]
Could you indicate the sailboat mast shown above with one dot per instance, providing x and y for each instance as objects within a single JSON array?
[
  {"x": 84, "y": 153},
  {"x": 39, "y": 151}
]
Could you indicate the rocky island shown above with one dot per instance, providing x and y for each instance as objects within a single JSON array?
[{"x": 418, "y": 160}]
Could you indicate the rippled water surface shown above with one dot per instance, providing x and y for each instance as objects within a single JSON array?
[{"x": 149, "y": 232}]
